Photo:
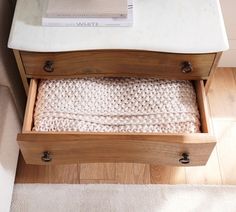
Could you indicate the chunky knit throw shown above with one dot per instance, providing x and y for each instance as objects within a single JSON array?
[{"x": 116, "y": 105}]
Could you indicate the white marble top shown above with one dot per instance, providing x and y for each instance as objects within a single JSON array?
[{"x": 182, "y": 26}]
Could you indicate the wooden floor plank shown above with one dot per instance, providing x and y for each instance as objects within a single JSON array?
[
  {"x": 98, "y": 182},
  {"x": 209, "y": 174},
  {"x": 132, "y": 173},
  {"x": 234, "y": 73},
  {"x": 222, "y": 100},
  {"x": 222, "y": 94},
  {"x": 160, "y": 174},
  {"x": 178, "y": 175},
  {"x": 68, "y": 174},
  {"x": 226, "y": 134},
  {"x": 31, "y": 173},
  {"x": 97, "y": 171},
  {"x": 46, "y": 174}
]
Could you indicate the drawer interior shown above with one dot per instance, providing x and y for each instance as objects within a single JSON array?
[
  {"x": 157, "y": 148},
  {"x": 199, "y": 89}
]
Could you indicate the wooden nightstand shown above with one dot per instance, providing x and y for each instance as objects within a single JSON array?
[{"x": 164, "y": 43}]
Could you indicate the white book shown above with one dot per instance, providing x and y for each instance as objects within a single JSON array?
[
  {"x": 91, "y": 22},
  {"x": 86, "y": 8}
]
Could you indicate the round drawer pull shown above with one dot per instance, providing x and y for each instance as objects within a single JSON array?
[
  {"x": 186, "y": 67},
  {"x": 185, "y": 158},
  {"x": 46, "y": 156},
  {"x": 48, "y": 66}
]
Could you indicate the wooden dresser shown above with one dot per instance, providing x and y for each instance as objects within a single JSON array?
[{"x": 164, "y": 43}]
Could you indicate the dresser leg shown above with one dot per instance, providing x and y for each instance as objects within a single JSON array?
[{"x": 21, "y": 70}]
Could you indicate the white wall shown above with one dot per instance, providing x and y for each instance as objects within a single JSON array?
[
  {"x": 9, "y": 75},
  {"x": 10, "y": 126},
  {"x": 229, "y": 12}
]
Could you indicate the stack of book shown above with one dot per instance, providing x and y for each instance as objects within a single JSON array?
[{"x": 88, "y": 13}]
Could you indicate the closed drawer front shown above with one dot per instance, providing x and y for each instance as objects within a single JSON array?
[
  {"x": 155, "y": 148},
  {"x": 119, "y": 63}
]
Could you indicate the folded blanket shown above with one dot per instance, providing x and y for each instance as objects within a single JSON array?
[{"x": 116, "y": 105}]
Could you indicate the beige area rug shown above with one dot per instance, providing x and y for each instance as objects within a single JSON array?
[{"x": 122, "y": 198}]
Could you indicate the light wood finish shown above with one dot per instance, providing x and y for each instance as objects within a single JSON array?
[
  {"x": 203, "y": 107},
  {"x": 132, "y": 173},
  {"x": 160, "y": 174},
  {"x": 222, "y": 94},
  {"x": 209, "y": 174},
  {"x": 98, "y": 181},
  {"x": 224, "y": 120},
  {"x": 213, "y": 69},
  {"x": 117, "y": 63},
  {"x": 32, "y": 174},
  {"x": 47, "y": 174},
  {"x": 64, "y": 174},
  {"x": 178, "y": 175},
  {"x": 226, "y": 131},
  {"x": 28, "y": 119},
  {"x": 153, "y": 148},
  {"x": 98, "y": 171},
  {"x": 21, "y": 70},
  {"x": 219, "y": 169},
  {"x": 165, "y": 149},
  {"x": 167, "y": 174}
]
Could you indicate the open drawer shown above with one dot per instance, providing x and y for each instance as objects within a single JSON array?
[{"x": 155, "y": 148}]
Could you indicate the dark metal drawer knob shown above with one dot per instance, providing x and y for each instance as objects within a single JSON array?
[
  {"x": 185, "y": 158},
  {"x": 46, "y": 157},
  {"x": 48, "y": 66},
  {"x": 186, "y": 67}
]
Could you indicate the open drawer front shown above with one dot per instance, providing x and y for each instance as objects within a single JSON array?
[{"x": 44, "y": 148}]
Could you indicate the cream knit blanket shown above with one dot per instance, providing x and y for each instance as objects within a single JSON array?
[{"x": 116, "y": 105}]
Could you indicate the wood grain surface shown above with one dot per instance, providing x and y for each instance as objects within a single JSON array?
[
  {"x": 117, "y": 63},
  {"x": 219, "y": 169},
  {"x": 153, "y": 148}
]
